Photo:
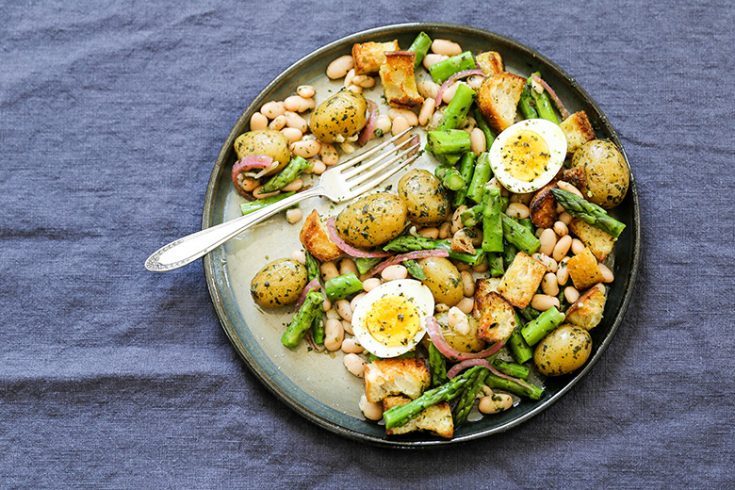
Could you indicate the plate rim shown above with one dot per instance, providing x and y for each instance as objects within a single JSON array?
[{"x": 292, "y": 402}]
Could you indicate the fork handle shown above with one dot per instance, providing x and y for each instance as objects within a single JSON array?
[{"x": 191, "y": 247}]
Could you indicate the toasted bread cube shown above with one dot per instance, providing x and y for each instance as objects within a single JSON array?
[
  {"x": 498, "y": 99},
  {"x": 399, "y": 82},
  {"x": 601, "y": 244},
  {"x": 583, "y": 270},
  {"x": 436, "y": 419},
  {"x": 385, "y": 377},
  {"x": 315, "y": 239},
  {"x": 368, "y": 57},
  {"x": 487, "y": 285},
  {"x": 490, "y": 62},
  {"x": 521, "y": 280},
  {"x": 496, "y": 316},
  {"x": 575, "y": 176},
  {"x": 586, "y": 312},
  {"x": 543, "y": 207},
  {"x": 578, "y": 130}
]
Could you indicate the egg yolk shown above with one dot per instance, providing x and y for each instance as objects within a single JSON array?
[
  {"x": 393, "y": 321},
  {"x": 525, "y": 155}
]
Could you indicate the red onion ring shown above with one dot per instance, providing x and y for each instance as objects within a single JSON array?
[
  {"x": 348, "y": 249},
  {"x": 310, "y": 286},
  {"x": 418, "y": 254},
  {"x": 448, "y": 351},
  {"x": 368, "y": 132},
  {"x": 557, "y": 101},
  {"x": 449, "y": 81},
  {"x": 250, "y": 161},
  {"x": 458, "y": 368}
]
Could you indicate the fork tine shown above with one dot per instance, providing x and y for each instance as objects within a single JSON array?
[
  {"x": 366, "y": 187},
  {"x": 367, "y": 165},
  {"x": 377, "y": 168},
  {"x": 359, "y": 158}
]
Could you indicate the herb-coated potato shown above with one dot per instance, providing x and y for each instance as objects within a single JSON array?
[
  {"x": 278, "y": 283},
  {"x": 427, "y": 202},
  {"x": 372, "y": 220},
  {"x": 468, "y": 342},
  {"x": 563, "y": 351},
  {"x": 607, "y": 174},
  {"x": 264, "y": 142},
  {"x": 443, "y": 279},
  {"x": 340, "y": 116}
]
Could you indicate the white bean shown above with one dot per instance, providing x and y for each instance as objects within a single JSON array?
[
  {"x": 550, "y": 285},
  {"x": 607, "y": 274},
  {"x": 548, "y": 241},
  {"x": 329, "y": 155},
  {"x": 562, "y": 247},
  {"x": 550, "y": 263},
  {"x": 272, "y": 109},
  {"x": 383, "y": 123},
  {"x": 431, "y": 232},
  {"x": 565, "y": 218},
  {"x": 562, "y": 273},
  {"x": 477, "y": 141},
  {"x": 293, "y": 216},
  {"x": 495, "y": 403},
  {"x": 348, "y": 327},
  {"x": 278, "y": 123},
  {"x": 356, "y": 300},
  {"x": 543, "y": 302},
  {"x": 441, "y": 307},
  {"x": 306, "y": 91},
  {"x": 292, "y": 134},
  {"x": 293, "y": 186},
  {"x": 436, "y": 119},
  {"x": 305, "y": 148},
  {"x": 347, "y": 265},
  {"x": 458, "y": 321},
  {"x": 518, "y": 210},
  {"x": 258, "y": 121},
  {"x": 394, "y": 272},
  {"x": 566, "y": 186},
  {"x": 466, "y": 305},
  {"x": 409, "y": 116},
  {"x": 427, "y": 110},
  {"x": 329, "y": 270},
  {"x": 334, "y": 334},
  {"x": 355, "y": 89},
  {"x": 351, "y": 346},
  {"x": 571, "y": 294},
  {"x": 364, "y": 81},
  {"x": 259, "y": 194},
  {"x": 445, "y": 47},
  {"x": 370, "y": 284},
  {"x": 299, "y": 256},
  {"x": 347, "y": 148},
  {"x": 339, "y": 67},
  {"x": 349, "y": 76},
  {"x": 371, "y": 411},
  {"x": 432, "y": 59},
  {"x": 327, "y": 307},
  {"x": 448, "y": 94},
  {"x": 296, "y": 103},
  {"x": 344, "y": 309},
  {"x": 295, "y": 121},
  {"x": 561, "y": 229},
  {"x": 399, "y": 124},
  {"x": 427, "y": 88},
  {"x": 577, "y": 246},
  {"x": 332, "y": 314},
  {"x": 318, "y": 167},
  {"x": 445, "y": 230},
  {"x": 354, "y": 364},
  {"x": 248, "y": 184},
  {"x": 468, "y": 283},
  {"x": 475, "y": 82}
]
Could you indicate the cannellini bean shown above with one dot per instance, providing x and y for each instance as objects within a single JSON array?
[
  {"x": 445, "y": 230},
  {"x": 348, "y": 78},
  {"x": 518, "y": 210},
  {"x": 561, "y": 229},
  {"x": 436, "y": 119},
  {"x": 432, "y": 232},
  {"x": 571, "y": 294},
  {"x": 329, "y": 155},
  {"x": 248, "y": 184},
  {"x": 427, "y": 110},
  {"x": 339, "y": 67},
  {"x": 441, "y": 307},
  {"x": 550, "y": 263},
  {"x": 427, "y": 88},
  {"x": 543, "y": 302},
  {"x": 432, "y": 59},
  {"x": 461, "y": 266},
  {"x": 305, "y": 148},
  {"x": 383, "y": 123},
  {"x": 259, "y": 194},
  {"x": 356, "y": 300},
  {"x": 495, "y": 403},
  {"x": 371, "y": 283},
  {"x": 409, "y": 116},
  {"x": 577, "y": 246},
  {"x": 607, "y": 274},
  {"x": 399, "y": 124},
  {"x": 468, "y": 283},
  {"x": 318, "y": 167},
  {"x": 291, "y": 134},
  {"x": 548, "y": 241},
  {"x": 329, "y": 270},
  {"x": 394, "y": 272},
  {"x": 351, "y": 346},
  {"x": 355, "y": 89},
  {"x": 550, "y": 285},
  {"x": 293, "y": 216},
  {"x": 569, "y": 188},
  {"x": 332, "y": 314},
  {"x": 457, "y": 219},
  {"x": 296, "y": 103},
  {"x": 306, "y": 91},
  {"x": 258, "y": 121},
  {"x": 601, "y": 287},
  {"x": 475, "y": 82},
  {"x": 562, "y": 247},
  {"x": 466, "y": 305},
  {"x": 481, "y": 267},
  {"x": 278, "y": 123},
  {"x": 299, "y": 256},
  {"x": 559, "y": 208},
  {"x": 445, "y": 47},
  {"x": 348, "y": 327},
  {"x": 562, "y": 273},
  {"x": 334, "y": 334},
  {"x": 295, "y": 121},
  {"x": 347, "y": 265},
  {"x": 458, "y": 321},
  {"x": 448, "y": 94},
  {"x": 344, "y": 309},
  {"x": 347, "y": 148},
  {"x": 272, "y": 109},
  {"x": 364, "y": 81},
  {"x": 371, "y": 411},
  {"x": 327, "y": 307},
  {"x": 293, "y": 186},
  {"x": 477, "y": 141},
  {"x": 565, "y": 218}
]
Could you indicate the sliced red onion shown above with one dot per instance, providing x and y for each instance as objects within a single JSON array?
[
  {"x": 310, "y": 286},
  {"x": 250, "y": 162},
  {"x": 368, "y": 132},
  {"x": 348, "y": 249},
  {"x": 449, "y": 352},
  {"x": 557, "y": 101},
  {"x": 450, "y": 81},
  {"x": 418, "y": 254},
  {"x": 458, "y": 368}
]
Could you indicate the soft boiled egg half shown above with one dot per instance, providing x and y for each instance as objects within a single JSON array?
[
  {"x": 391, "y": 319},
  {"x": 527, "y": 155}
]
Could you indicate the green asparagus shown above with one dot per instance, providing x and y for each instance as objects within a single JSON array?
[
  {"x": 492, "y": 226},
  {"x": 543, "y": 104},
  {"x": 529, "y": 313},
  {"x": 414, "y": 269},
  {"x": 482, "y": 174},
  {"x": 537, "y": 329},
  {"x": 509, "y": 253},
  {"x": 289, "y": 173},
  {"x": 466, "y": 167},
  {"x": 410, "y": 243},
  {"x": 447, "y": 141},
  {"x": 588, "y": 212},
  {"x": 420, "y": 46},
  {"x": 448, "y": 67},
  {"x": 528, "y": 224},
  {"x": 512, "y": 369},
  {"x": 317, "y": 329},
  {"x": 517, "y": 345},
  {"x": 472, "y": 216},
  {"x": 437, "y": 366},
  {"x": 482, "y": 124},
  {"x": 458, "y": 108},
  {"x": 518, "y": 235},
  {"x": 342, "y": 286},
  {"x": 303, "y": 319},
  {"x": 495, "y": 264},
  {"x": 520, "y": 387},
  {"x": 450, "y": 177},
  {"x": 258, "y": 204},
  {"x": 526, "y": 104},
  {"x": 312, "y": 267},
  {"x": 365, "y": 264},
  {"x": 467, "y": 400}
]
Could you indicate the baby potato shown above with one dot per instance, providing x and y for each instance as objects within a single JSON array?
[
  {"x": 427, "y": 202},
  {"x": 340, "y": 116},
  {"x": 563, "y": 351},
  {"x": 372, "y": 220},
  {"x": 278, "y": 283},
  {"x": 443, "y": 279},
  {"x": 468, "y": 342},
  {"x": 264, "y": 142},
  {"x": 607, "y": 174}
]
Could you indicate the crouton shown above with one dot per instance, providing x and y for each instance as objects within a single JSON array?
[
  {"x": 490, "y": 62},
  {"x": 384, "y": 377},
  {"x": 521, "y": 280},
  {"x": 496, "y": 316},
  {"x": 315, "y": 239},
  {"x": 399, "y": 82},
  {"x": 498, "y": 99},
  {"x": 487, "y": 285},
  {"x": 369, "y": 56},
  {"x": 436, "y": 419},
  {"x": 586, "y": 312},
  {"x": 578, "y": 130},
  {"x": 583, "y": 270},
  {"x": 575, "y": 176},
  {"x": 543, "y": 207},
  {"x": 601, "y": 244}
]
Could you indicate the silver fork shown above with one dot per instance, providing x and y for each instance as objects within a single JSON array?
[{"x": 341, "y": 183}]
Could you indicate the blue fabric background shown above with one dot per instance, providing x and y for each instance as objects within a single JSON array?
[{"x": 111, "y": 116}]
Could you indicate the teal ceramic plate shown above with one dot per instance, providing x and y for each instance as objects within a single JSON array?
[{"x": 317, "y": 386}]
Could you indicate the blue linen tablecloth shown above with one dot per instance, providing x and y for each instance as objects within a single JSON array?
[{"x": 111, "y": 116}]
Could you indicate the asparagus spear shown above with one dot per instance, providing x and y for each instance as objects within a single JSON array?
[
  {"x": 312, "y": 267},
  {"x": 467, "y": 400},
  {"x": 517, "y": 345},
  {"x": 492, "y": 227},
  {"x": 520, "y": 388},
  {"x": 518, "y": 235},
  {"x": 512, "y": 369},
  {"x": 420, "y": 46},
  {"x": 365, "y": 264},
  {"x": 509, "y": 253},
  {"x": 258, "y": 204},
  {"x": 450, "y": 177},
  {"x": 589, "y": 212},
  {"x": 446, "y": 68},
  {"x": 458, "y": 108},
  {"x": 466, "y": 167},
  {"x": 342, "y": 286},
  {"x": 529, "y": 313},
  {"x": 537, "y": 329},
  {"x": 414, "y": 269},
  {"x": 397, "y": 416},
  {"x": 543, "y": 104},
  {"x": 495, "y": 263},
  {"x": 437, "y": 366},
  {"x": 482, "y": 124},
  {"x": 289, "y": 173},
  {"x": 526, "y": 104},
  {"x": 473, "y": 216},
  {"x": 528, "y": 224},
  {"x": 447, "y": 141},
  {"x": 302, "y": 320},
  {"x": 317, "y": 329},
  {"x": 410, "y": 243}
]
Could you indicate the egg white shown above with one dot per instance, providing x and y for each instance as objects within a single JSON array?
[
  {"x": 421, "y": 298},
  {"x": 555, "y": 140}
]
